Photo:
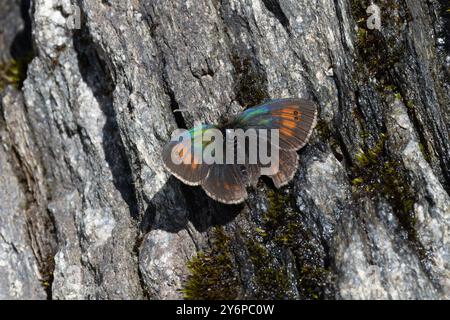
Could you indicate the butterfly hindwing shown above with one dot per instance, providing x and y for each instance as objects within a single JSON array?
[
  {"x": 250, "y": 171},
  {"x": 184, "y": 149},
  {"x": 225, "y": 184},
  {"x": 287, "y": 166}
]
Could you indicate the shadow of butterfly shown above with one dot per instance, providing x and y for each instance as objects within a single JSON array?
[{"x": 294, "y": 120}]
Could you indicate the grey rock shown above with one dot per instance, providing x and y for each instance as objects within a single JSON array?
[
  {"x": 366, "y": 216},
  {"x": 20, "y": 278},
  {"x": 432, "y": 208},
  {"x": 12, "y": 26},
  {"x": 165, "y": 249}
]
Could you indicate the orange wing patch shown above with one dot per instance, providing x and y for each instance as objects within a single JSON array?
[
  {"x": 288, "y": 123},
  {"x": 286, "y": 131},
  {"x": 194, "y": 165},
  {"x": 289, "y": 118},
  {"x": 181, "y": 150}
]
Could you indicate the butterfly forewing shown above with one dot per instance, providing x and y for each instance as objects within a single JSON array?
[{"x": 294, "y": 118}]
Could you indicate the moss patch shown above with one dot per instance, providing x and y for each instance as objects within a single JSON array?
[
  {"x": 10, "y": 74},
  {"x": 326, "y": 135},
  {"x": 285, "y": 260},
  {"x": 14, "y": 72},
  {"x": 271, "y": 277},
  {"x": 323, "y": 129},
  {"x": 379, "y": 52},
  {"x": 212, "y": 275},
  {"x": 251, "y": 81},
  {"x": 280, "y": 221},
  {"x": 378, "y": 174},
  {"x": 425, "y": 153},
  {"x": 283, "y": 229}
]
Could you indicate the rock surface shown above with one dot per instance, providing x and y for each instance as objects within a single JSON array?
[{"x": 88, "y": 212}]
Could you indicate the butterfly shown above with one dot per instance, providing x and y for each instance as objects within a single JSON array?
[{"x": 225, "y": 182}]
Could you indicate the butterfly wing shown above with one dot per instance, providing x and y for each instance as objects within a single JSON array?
[
  {"x": 181, "y": 156},
  {"x": 287, "y": 166},
  {"x": 225, "y": 183},
  {"x": 295, "y": 118},
  {"x": 250, "y": 171}
]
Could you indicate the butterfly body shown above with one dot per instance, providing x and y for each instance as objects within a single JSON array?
[{"x": 291, "y": 119}]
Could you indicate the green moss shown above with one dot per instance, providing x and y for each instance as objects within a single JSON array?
[
  {"x": 391, "y": 87},
  {"x": 9, "y": 74},
  {"x": 280, "y": 221},
  {"x": 282, "y": 230},
  {"x": 398, "y": 96},
  {"x": 271, "y": 279},
  {"x": 362, "y": 37},
  {"x": 279, "y": 228},
  {"x": 323, "y": 129},
  {"x": 312, "y": 279},
  {"x": 410, "y": 105},
  {"x": 357, "y": 181},
  {"x": 14, "y": 72},
  {"x": 251, "y": 82},
  {"x": 46, "y": 270},
  {"x": 212, "y": 273},
  {"x": 378, "y": 52},
  {"x": 372, "y": 155},
  {"x": 425, "y": 153},
  {"x": 364, "y": 135},
  {"x": 379, "y": 175}
]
